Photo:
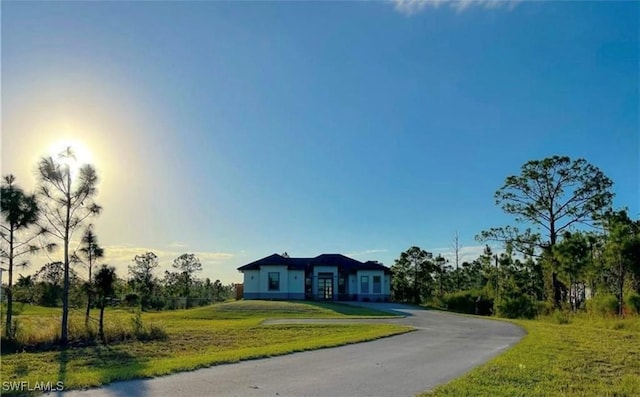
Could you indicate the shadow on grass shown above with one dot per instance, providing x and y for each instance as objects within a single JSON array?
[
  {"x": 63, "y": 360},
  {"x": 118, "y": 369},
  {"x": 373, "y": 309}
]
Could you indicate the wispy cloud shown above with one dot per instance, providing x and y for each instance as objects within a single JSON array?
[
  {"x": 121, "y": 256},
  {"x": 124, "y": 254},
  {"x": 465, "y": 254},
  {"x": 412, "y": 7},
  {"x": 367, "y": 252},
  {"x": 214, "y": 264},
  {"x": 178, "y": 244}
]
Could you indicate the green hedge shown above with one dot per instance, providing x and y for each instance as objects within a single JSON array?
[
  {"x": 470, "y": 302},
  {"x": 603, "y": 304},
  {"x": 632, "y": 302},
  {"x": 522, "y": 306}
]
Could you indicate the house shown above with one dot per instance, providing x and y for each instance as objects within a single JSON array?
[{"x": 327, "y": 277}]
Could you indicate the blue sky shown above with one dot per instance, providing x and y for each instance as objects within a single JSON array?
[{"x": 240, "y": 129}]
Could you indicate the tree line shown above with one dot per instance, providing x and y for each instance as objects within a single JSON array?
[
  {"x": 61, "y": 206},
  {"x": 575, "y": 250},
  {"x": 142, "y": 288}
]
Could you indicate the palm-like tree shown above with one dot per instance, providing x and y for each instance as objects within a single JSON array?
[
  {"x": 19, "y": 212},
  {"x": 104, "y": 284},
  {"x": 67, "y": 201},
  {"x": 88, "y": 254}
]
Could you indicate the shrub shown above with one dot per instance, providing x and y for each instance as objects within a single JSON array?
[
  {"x": 144, "y": 333},
  {"x": 521, "y": 306},
  {"x": 470, "y": 302},
  {"x": 632, "y": 302},
  {"x": 156, "y": 302},
  {"x": 437, "y": 302},
  {"x": 546, "y": 308},
  {"x": 462, "y": 301},
  {"x": 560, "y": 317},
  {"x": 603, "y": 304},
  {"x": 136, "y": 323},
  {"x": 132, "y": 299},
  {"x": 156, "y": 332}
]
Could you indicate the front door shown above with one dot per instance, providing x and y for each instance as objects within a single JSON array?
[{"x": 325, "y": 286}]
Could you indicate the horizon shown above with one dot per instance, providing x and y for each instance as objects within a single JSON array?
[{"x": 239, "y": 130}]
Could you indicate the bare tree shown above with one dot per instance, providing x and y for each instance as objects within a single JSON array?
[{"x": 456, "y": 251}]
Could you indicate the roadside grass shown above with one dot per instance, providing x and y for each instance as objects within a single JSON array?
[
  {"x": 26, "y": 309},
  {"x": 579, "y": 355},
  {"x": 200, "y": 337}
]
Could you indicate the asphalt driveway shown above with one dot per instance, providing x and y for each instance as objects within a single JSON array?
[{"x": 443, "y": 347}]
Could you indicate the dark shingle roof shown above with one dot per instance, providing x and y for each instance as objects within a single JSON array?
[{"x": 343, "y": 262}]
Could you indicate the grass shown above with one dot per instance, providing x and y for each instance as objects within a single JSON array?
[
  {"x": 561, "y": 356},
  {"x": 201, "y": 337}
]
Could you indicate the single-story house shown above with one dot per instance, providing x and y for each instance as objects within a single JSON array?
[{"x": 327, "y": 276}]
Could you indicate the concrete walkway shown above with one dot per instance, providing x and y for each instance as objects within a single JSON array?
[{"x": 443, "y": 347}]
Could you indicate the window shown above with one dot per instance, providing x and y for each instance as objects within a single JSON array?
[
  {"x": 274, "y": 281},
  {"x": 342, "y": 284},
  {"x": 308, "y": 284},
  {"x": 377, "y": 285},
  {"x": 364, "y": 284}
]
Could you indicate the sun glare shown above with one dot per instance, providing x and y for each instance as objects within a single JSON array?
[{"x": 81, "y": 154}]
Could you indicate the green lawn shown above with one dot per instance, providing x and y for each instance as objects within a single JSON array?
[
  {"x": 587, "y": 357},
  {"x": 200, "y": 337}
]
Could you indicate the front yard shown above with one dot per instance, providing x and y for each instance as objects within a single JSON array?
[{"x": 200, "y": 337}]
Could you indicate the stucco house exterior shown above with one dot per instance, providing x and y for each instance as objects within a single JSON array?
[{"x": 325, "y": 277}]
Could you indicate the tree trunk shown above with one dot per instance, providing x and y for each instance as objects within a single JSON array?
[
  {"x": 65, "y": 292},
  {"x": 553, "y": 237},
  {"x": 416, "y": 294},
  {"x": 101, "y": 328},
  {"x": 557, "y": 292},
  {"x": 9, "y": 288},
  {"x": 86, "y": 315},
  {"x": 621, "y": 289},
  {"x": 457, "y": 249},
  {"x": 89, "y": 293}
]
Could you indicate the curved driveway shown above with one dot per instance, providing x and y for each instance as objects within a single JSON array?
[{"x": 443, "y": 347}]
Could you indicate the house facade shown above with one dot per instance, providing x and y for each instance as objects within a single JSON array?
[{"x": 325, "y": 277}]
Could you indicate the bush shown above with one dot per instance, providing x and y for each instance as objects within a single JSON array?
[
  {"x": 145, "y": 333},
  {"x": 632, "y": 302},
  {"x": 603, "y": 304},
  {"x": 156, "y": 302},
  {"x": 470, "y": 302},
  {"x": 136, "y": 323},
  {"x": 132, "y": 299},
  {"x": 436, "y": 302},
  {"x": 154, "y": 332},
  {"x": 546, "y": 308},
  {"x": 521, "y": 306},
  {"x": 560, "y": 317},
  {"x": 462, "y": 301}
]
